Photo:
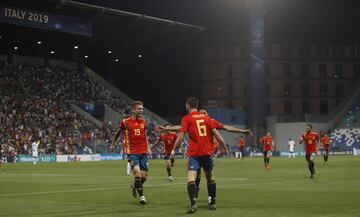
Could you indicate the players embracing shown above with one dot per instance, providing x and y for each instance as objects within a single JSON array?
[{"x": 201, "y": 131}]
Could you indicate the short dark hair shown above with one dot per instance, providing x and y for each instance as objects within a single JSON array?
[
  {"x": 135, "y": 103},
  {"x": 193, "y": 102},
  {"x": 309, "y": 125}
]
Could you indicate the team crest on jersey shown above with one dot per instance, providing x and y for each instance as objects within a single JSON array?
[{"x": 142, "y": 125}]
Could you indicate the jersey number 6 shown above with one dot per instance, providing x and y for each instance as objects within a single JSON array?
[{"x": 201, "y": 128}]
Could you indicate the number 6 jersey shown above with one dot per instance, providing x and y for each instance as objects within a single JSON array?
[{"x": 199, "y": 128}]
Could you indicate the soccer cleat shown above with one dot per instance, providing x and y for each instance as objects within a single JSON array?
[
  {"x": 212, "y": 206},
  {"x": 311, "y": 176},
  {"x": 171, "y": 179},
  {"x": 134, "y": 193},
  {"x": 192, "y": 209},
  {"x": 143, "y": 201}
]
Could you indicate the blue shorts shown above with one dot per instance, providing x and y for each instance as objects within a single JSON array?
[
  {"x": 167, "y": 156},
  {"x": 196, "y": 162},
  {"x": 140, "y": 160}
]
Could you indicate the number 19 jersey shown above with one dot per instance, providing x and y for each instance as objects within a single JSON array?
[
  {"x": 134, "y": 135},
  {"x": 199, "y": 128}
]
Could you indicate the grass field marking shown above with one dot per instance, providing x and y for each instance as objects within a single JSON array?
[
  {"x": 119, "y": 176},
  {"x": 106, "y": 189},
  {"x": 82, "y": 190}
]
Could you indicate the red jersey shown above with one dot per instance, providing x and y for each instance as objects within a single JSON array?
[
  {"x": 199, "y": 127},
  {"x": 310, "y": 140},
  {"x": 217, "y": 125},
  {"x": 168, "y": 140},
  {"x": 325, "y": 142},
  {"x": 134, "y": 135},
  {"x": 241, "y": 143},
  {"x": 266, "y": 141}
]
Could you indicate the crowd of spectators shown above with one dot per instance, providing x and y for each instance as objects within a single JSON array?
[{"x": 36, "y": 104}]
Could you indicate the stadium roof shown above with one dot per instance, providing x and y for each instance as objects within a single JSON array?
[{"x": 122, "y": 32}]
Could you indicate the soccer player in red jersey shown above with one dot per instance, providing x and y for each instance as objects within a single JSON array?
[
  {"x": 218, "y": 126},
  {"x": 325, "y": 141},
  {"x": 201, "y": 131},
  {"x": 310, "y": 140},
  {"x": 168, "y": 140},
  {"x": 240, "y": 142},
  {"x": 136, "y": 147},
  {"x": 267, "y": 142}
]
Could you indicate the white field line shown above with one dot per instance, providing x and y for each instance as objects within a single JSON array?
[
  {"x": 81, "y": 190},
  {"x": 119, "y": 176},
  {"x": 106, "y": 189}
]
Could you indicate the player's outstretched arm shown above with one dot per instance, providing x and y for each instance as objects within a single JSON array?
[
  {"x": 178, "y": 141},
  {"x": 237, "y": 130},
  {"x": 220, "y": 139},
  {"x": 170, "y": 128}
]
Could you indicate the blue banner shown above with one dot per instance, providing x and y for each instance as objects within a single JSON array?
[
  {"x": 41, "y": 158},
  {"x": 111, "y": 157},
  {"x": 45, "y": 20}
]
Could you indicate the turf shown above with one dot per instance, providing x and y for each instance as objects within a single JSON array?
[{"x": 244, "y": 189}]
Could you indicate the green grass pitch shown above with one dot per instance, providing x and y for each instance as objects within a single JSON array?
[{"x": 245, "y": 188}]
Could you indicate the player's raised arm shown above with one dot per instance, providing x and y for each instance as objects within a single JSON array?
[
  {"x": 178, "y": 141},
  {"x": 220, "y": 139}
]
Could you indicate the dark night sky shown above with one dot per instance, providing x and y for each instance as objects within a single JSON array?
[{"x": 164, "y": 80}]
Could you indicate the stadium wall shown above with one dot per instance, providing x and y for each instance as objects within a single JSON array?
[
  {"x": 18, "y": 59},
  {"x": 113, "y": 89},
  {"x": 87, "y": 115},
  {"x": 281, "y": 132},
  {"x": 25, "y": 59},
  {"x": 113, "y": 116},
  {"x": 3, "y": 57}
]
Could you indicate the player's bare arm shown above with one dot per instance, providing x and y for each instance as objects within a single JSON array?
[
  {"x": 170, "y": 128},
  {"x": 178, "y": 141},
  {"x": 116, "y": 137},
  {"x": 238, "y": 130},
  {"x": 155, "y": 144},
  {"x": 147, "y": 142},
  {"x": 220, "y": 139}
]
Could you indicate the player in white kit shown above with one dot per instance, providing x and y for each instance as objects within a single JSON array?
[
  {"x": 34, "y": 147},
  {"x": 291, "y": 148}
]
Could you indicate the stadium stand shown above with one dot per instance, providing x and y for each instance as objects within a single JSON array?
[
  {"x": 346, "y": 136},
  {"x": 37, "y": 104}
]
